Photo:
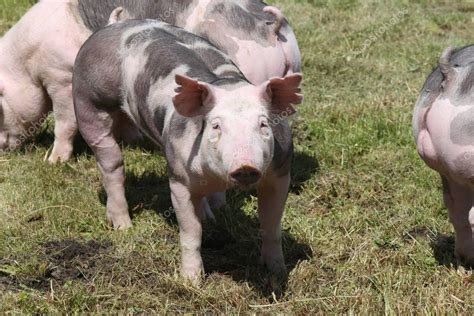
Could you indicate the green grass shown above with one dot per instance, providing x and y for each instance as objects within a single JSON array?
[{"x": 365, "y": 229}]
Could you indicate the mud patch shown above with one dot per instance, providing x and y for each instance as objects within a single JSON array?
[
  {"x": 418, "y": 232},
  {"x": 71, "y": 260},
  {"x": 63, "y": 260}
]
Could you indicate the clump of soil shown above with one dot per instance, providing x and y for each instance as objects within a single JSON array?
[
  {"x": 70, "y": 259},
  {"x": 66, "y": 260}
]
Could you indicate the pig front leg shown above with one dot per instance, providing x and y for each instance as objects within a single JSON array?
[
  {"x": 459, "y": 201},
  {"x": 272, "y": 195},
  {"x": 189, "y": 214},
  {"x": 65, "y": 126}
]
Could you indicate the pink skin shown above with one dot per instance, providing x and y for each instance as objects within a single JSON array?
[
  {"x": 440, "y": 153},
  {"x": 259, "y": 70},
  {"x": 441, "y": 123},
  {"x": 278, "y": 57},
  {"x": 36, "y": 73},
  {"x": 235, "y": 117},
  {"x": 239, "y": 138}
]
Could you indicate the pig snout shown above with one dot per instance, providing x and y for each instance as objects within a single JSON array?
[{"x": 245, "y": 175}]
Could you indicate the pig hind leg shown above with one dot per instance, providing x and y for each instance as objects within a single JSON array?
[
  {"x": 96, "y": 127},
  {"x": 459, "y": 201},
  {"x": 65, "y": 126}
]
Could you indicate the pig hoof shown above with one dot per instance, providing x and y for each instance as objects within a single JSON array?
[
  {"x": 466, "y": 260},
  {"x": 276, "y": 284},
  {"x": 276, "y": 267},
  {"x": 193, "y": 276},
  {"x": 60, "y": 155},
  {"x": 119, "y": 222}
]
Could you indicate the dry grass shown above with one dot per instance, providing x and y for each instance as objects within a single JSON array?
[{"x": 364, "y": 231}]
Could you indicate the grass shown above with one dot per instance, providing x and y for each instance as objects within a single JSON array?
[{"x": 365, "y": 229}]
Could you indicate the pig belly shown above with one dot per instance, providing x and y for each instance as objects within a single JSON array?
[{"x": 438, "y": 150}]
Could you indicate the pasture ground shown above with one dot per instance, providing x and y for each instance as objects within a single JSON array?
[{"x": 365, "y": 229}]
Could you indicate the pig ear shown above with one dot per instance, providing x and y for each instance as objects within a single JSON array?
[
  {"x": 282, "y": 93},
  {"x": 192, "y": 97},
  {"x": 447, "y": 68}
]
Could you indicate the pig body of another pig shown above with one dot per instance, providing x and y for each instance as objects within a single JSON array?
[
  {"x": 37, "y": 54},
  {"x": 443, "y": 125},
  {"x": 36, "y": 60},
  {"x": 217, "y": 129}
]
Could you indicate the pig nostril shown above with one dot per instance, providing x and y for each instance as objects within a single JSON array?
[{"x": 246, "y": 176}]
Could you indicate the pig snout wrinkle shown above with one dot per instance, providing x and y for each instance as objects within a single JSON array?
[{"x": 246, "y": 175}]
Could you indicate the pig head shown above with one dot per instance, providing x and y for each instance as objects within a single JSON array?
[{"x": 237, "y": 146}]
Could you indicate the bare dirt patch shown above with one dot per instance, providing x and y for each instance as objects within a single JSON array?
[
  {"x": 70, "y": 259},
  {"x": 65, "y": 260}
]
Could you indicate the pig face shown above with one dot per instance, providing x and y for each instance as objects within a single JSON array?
[{"x": 237, "y": 142}]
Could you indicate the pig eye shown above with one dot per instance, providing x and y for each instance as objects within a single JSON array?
[
  {"x": 264, "y": 127},
  {"x": 264, "y": 123},
  {"x": 216, "y": 124},
  {"x": 216, "y": 131}
]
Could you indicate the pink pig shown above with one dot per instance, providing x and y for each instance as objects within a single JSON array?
[
  {"x": 37, "y": 54},
  {"x": 217, "y": 130}
]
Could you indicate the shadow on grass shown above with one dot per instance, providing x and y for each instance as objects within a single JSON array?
[
  {"x": 443, "y": 251},
  {"x": 45, "y": 139},
  {"x": 231, "y": 245}
]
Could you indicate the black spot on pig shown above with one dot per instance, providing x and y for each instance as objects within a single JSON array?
[
  {"x": 464, "y": 166},
  {"x": 95, "y": 13},
  {"x": 467, "y": 83},
  {"x": 462, "y": 128},
  {"x": 178, "y": 125},
  {"x": 432, "y": 87},
  {"x": 239, "y": 18},
  {"x": 160, "y": 115}
]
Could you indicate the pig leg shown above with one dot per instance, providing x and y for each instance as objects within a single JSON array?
[
  {"x": 217, "y": 200},
  {"x": 110, "y": 162},
  {"x": 459, "y": 202},
  {"x": 126, "y": 130},
  {"x": 188, "y": 209},
  {"x": 272, "y": 194},
  {"x": 65, "y": 126},
  {"x": 97, "y": 129}
]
